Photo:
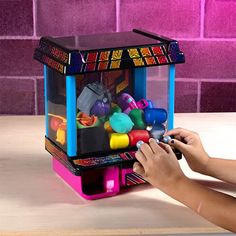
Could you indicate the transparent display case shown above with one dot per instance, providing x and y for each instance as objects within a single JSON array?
[{"x": 97, "y": 106}]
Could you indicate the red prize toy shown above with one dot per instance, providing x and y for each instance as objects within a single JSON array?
[{"x": 137, "y": 135}]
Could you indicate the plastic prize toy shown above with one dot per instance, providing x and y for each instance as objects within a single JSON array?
[
  {"x": 121, "y": 123},
  {"x": 126, "y": 102},
  {"x": 96, "y": 107},
  {"x": 136, "y": 116}
]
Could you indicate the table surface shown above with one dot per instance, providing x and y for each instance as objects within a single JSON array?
[{"x": 35, "y": 201}]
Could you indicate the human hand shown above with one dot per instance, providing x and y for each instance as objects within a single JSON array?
[
  {"x": 189, "y": 143},
  {"x": 158, "y": 165}
]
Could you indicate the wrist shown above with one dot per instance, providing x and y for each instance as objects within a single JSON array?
[
  {"x": 173, "y": 185},
  {"x": 205, "y": 167}
]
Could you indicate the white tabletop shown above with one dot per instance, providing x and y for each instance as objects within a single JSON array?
[{"x": 34, "y": 201}]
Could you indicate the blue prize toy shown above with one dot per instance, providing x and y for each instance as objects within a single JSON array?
[
  {"x": 150, "y": 104},
  {"x": 121, "y": 123},
  {"x": 155, "y": 116}
]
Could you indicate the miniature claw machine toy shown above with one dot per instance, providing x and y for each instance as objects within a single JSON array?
[{"x": 97, "y": 106}]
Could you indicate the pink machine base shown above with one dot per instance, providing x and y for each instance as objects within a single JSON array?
[{"x": 94, "y": 184}]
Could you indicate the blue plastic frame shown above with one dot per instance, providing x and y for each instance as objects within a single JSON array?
[
  {"x": 171, "y": 97},
  {"x": 71, "y": 115},
  {"x": 45, "y": 72},
  {"x": 140, "y": 80}
]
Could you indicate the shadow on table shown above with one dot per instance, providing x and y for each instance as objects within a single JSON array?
[{"x": 31, "y": 180}]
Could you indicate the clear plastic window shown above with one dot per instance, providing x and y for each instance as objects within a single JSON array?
[
  {"x": 114, "y": 110},
  {"x": 110, "y": 117},
  {"x": 56, "y": 94}
]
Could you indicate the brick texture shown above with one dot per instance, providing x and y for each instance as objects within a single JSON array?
[
  {"x": 17, "y": 96},
  {"x": 220, "y": 18},
  {"x": 16, "y": 17},
  {"x": 75, "y": 17},
  {"x": 206, "y": 31},
  {"x": 17, "y": 58},
  {"x": 40, "y": 96},
  {"x": 218, "y": 97},
  {"x": 208, "y": 59},
  {"x": 186, "y": 96},
  {"x": 164, "y": 17}
]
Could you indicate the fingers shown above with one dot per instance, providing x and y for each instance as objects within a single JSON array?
[
  {"x": 178, "y": 137},
  {"x": 155, "y": 147},
  {"x": 143, "y": 154},
  {"x": 138, "y": 168},
  {"x": 167, "y": 148},
  {"x": 146, "y": 150},
  {"x": 141, "y": 158},
  {"x": 153, "y": 150},
  {"x": 183, "y": 133},
  {"x": 178, "y": 145}
]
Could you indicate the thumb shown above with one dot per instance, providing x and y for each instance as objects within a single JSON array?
[
  {"x": 178, "y": 145},
  {"x": 138, "y": 169}
]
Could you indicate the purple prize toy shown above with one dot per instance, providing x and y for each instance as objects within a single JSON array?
[
  {"x": 126, "y": 102},
  {"x": 100, "y": 108}
]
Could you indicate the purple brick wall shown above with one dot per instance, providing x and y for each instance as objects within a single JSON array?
[{"x": 206, "y": 30}]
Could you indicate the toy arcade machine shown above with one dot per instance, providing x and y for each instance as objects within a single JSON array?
[{"x": 97, "y": 106}]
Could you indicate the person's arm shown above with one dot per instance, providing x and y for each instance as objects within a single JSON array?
[
  {"x": 189, "y": 143},
  {"x": 159, "y": 166},
  {"x": 216, "y": 207},
  {"x": 222, "y": 169}
]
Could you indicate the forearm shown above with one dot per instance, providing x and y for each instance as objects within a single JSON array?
[
  {"x": 214, "y": 206},
  {"x": 222, "y": 169}
]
